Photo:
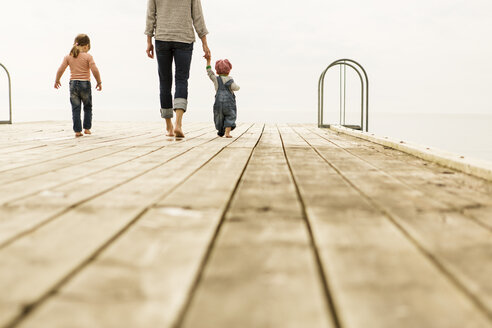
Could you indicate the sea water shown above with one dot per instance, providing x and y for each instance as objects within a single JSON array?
[{"x": 468, "y": 135}]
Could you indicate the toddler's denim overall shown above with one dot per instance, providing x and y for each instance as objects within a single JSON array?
[{"x": 224, "y": 107}]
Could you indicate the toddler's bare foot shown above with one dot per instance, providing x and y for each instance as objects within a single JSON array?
[
  {"x": 87, "y": 131},
  {"x": 227, "y": 132},
  {"x": 78, "y": 134},
  {"x": 179, "y": 133}
]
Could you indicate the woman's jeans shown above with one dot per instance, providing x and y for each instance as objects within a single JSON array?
[
  {"x": 181, "y": 53},
  {"x": 80, "y": 93}
]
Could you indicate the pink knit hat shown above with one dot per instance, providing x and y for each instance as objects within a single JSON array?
[{"x": 223, "y": 66}]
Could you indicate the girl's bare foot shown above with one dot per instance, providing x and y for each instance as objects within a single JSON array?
[
  {"x": 179, "y": 133},
  {"x": 87, "y": 131},
  {"x": 228, "y": 136},
  {"x": 78, "y": 134}
]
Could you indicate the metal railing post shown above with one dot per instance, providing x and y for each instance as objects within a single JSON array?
[{"x": 10, "y": 97}]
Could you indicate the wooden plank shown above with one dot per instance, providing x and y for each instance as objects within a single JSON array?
[
  {"x": 156, "y": 262},
  {"x": 462, "y": 192},
  {"x": 481, "y": 213},
  {"x": 19, "y": 134},
  {"x": 50, "y": 134},
  {"x": 49, "y": 139},
  {"x": 458, "y": 246},
  {"x": 432, "y": 178},
  {"x": 53, "y": 196},
  {"x": 65, "y": 245},
  {"x": 18, "y": 164},
  {"x": 49, "y": 151},
  {"x": 46, "y": 151},
  {"x": 22, "y": 173},
  {"x": 377, "y": 276},
  {"x": 261, "y": 272},
  {"x": 57, "y": 176}
]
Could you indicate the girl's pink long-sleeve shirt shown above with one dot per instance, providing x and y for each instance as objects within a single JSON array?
[{"x": 80, "y": 67}]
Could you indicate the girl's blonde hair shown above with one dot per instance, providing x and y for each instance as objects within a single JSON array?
[{"x": 80, "y": 41}]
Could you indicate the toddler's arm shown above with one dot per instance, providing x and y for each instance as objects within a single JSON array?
[
  {"x": 234, "y": 86},
  {"x": 211, "y": 74},
  {"x": 60, "y": 72}
]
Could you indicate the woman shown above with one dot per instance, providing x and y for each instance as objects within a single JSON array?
[{"x": 171, "y": 23}]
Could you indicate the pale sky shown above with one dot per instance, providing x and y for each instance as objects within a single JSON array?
[{"x": 421, "y": 56}]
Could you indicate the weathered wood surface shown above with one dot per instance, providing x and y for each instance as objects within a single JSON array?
[
  {"x": 281, "y": 226},
  {"x": 262, "y": 272}
]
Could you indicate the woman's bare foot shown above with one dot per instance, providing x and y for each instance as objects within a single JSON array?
[
  {"x": 169, "y": 128},
  {"x": 87, "y": 131},
  {"x": 179, "y": 117},
  {"x": 228, "y": 136},
  {"x": 78, "y": 134},
  {"x": 179, "y": 133}
]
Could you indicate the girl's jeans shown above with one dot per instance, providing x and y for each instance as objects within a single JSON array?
[
  {"x": 80, "y": 93},
  {"x": 181, "y": 53}
]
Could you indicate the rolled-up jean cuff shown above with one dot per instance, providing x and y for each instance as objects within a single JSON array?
[
  {"x": 166, "y": 112},
  {"x": 180, "y": 103}
]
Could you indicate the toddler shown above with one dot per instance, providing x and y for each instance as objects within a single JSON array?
[
  {"x": 225, "y": 101},
  {"x": 81, "y": 63}
]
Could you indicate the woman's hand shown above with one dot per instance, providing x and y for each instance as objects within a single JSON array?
[
  {"x": 150, "y": 50},
  {"x": 206, "y": 50},
  {"x": 150, "y": 47}
]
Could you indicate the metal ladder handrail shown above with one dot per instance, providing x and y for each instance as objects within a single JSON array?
[
  {"x": 364, "y": 87},
  {"x": 10, "y": 97},
  {"x": 362, "y": 94},
  {"x": 321, "y": 91}
]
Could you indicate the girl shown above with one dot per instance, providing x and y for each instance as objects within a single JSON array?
[
  {"x": 225, "y": 101},
  {"x": 80, "y": 63}
]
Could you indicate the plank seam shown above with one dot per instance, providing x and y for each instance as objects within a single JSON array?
[{"x": 331, "y": 304}]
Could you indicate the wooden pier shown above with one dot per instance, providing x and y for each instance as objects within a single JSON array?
[{"x": 282, "y": 226}]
